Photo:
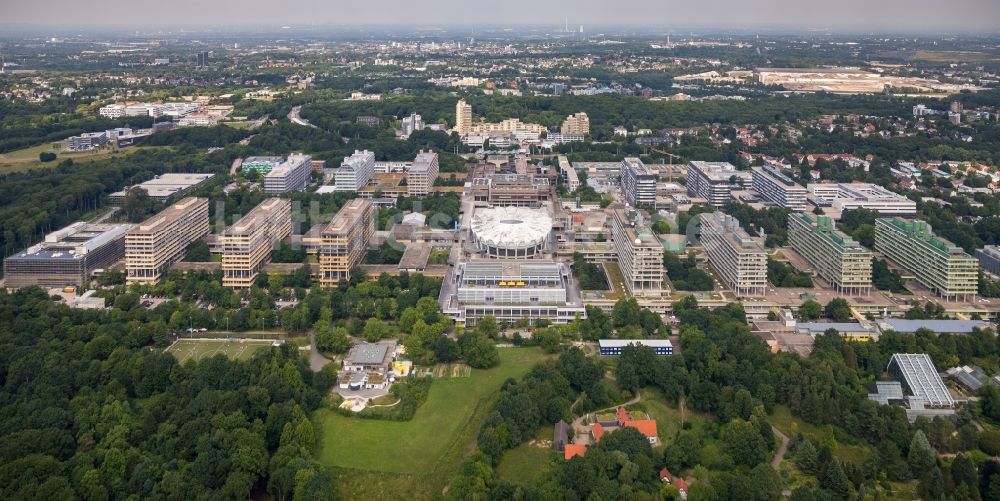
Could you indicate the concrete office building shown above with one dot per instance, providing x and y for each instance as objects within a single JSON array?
[
  {"x": 263, "y": 165},
  {"x": 412, "y": 124},
  {"x": 576, "y": 124},
  {"x": 844, "y": 196},
  {"x": 510, "y": 291},
  {"x": 87, "y": 141},
  {"x": 165, "y": 186},
  {"x": 570, "y": 174},
  {"x": 156, "y": 243},
  {"x": 638, "y": 183},
  {"x": 774, "y": 186},
  {"x": 714, "y": 181},
  {"x": 511, "y": 190},
  {"x": 246, "y": 245},
  {"x": 836, "y": 257},
  {"x": 112, "y": 111},
  {"x": 422, "y": 174},
  {"x": 640, "y": 254},
  {"x": 291, "y": 175},
  {"x": 355, "y": 172},
  {"x": 989, "y": 258},
  {"x": 936, "y": 263},
  {"x": 68, "y": 257},
  {"x": 740, "y": 261},
  {"x": 463, "y": 117},
  {"x": 344, "y": 241}
]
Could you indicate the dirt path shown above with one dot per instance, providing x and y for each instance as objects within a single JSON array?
[{"x": 782, "y": 449}]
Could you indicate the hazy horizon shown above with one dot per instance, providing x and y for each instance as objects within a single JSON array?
[{"x": 974, "y": 16}]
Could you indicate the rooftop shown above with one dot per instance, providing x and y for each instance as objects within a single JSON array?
[
  {"x": 258, "y": 215},
  {"x": 511, "y": 226},
  {"x": 938, "y": 326},
  {"x": 176, "y": 210},
  {"x": 921, "y": 231},
  {"x": 166, "y": 185},
  {"x": 74, "y": 241},
  {"x": 718, "y": 171},
  {"x": 347, "y": 217},
  {"x": 369, "y": 353},
  {"x": 922, "y": 378}
]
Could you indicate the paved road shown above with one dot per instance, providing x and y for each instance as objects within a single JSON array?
[
  {"x": 297, "y": 120},
  {"x": 782, "y": 449},
  {"x": 106, "y": 215},
  {"x": 316, "y": 361}
]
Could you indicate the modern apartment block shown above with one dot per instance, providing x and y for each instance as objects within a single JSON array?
[
  {"x": 937, "y": 264},
  {"x": 246, "y": 245},
  {"x": 344, "y": 241},
  {"x": 715, "y": 181},
  {"x": 638, "y": 182},
  {"x": 640, "y": 254},
  {"x": 291, "y": 175},
  {"x": 463, "y": 117},
  {"x": 774, "y": 186},
  {"x": 836, "y": 257},
  {"x": 412, "y": 124},
  {"x": 576, "y": 124},
  {"x": 156, "y": 243},
  {"x": 989, "y": 258},
  {"x": 420, "y": 178},
  {"x": 355, "y": 172},
  {"x": 739, "y": 260},
  {"x": 844, "y": 196},
  {"x": 68, "y": 257}
]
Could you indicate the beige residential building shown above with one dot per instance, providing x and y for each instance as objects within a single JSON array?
[
  {"x": 246, "y": 245},
  {"x": 836, "y": 257},
  {"x": 640, "y": 254},
  {"x": 344, "y": 241},
  {"x": 152, "y": 246},
  {"x": 463, "y": 117},
  {"x": 578, "y": 123},
  {"x": 739, "y": 260},
  {"x": 422, "y": 174},
  {"x": 937, "y": 264}
]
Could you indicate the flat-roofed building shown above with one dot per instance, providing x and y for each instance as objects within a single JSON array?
[
  {"x": 512, "y": 290},
  {"x": 355, "y": 172},
  {"x": 845, "y": 196},
  {"x": 936, "y": 263},
  {"x": 344, "y": 241},
  {"x": 774, "y": 186},
  {"x": 638, "y": 183},
  {"x": 715, "y": 181},
  {"x": 836, "y": 257},
  {"x": 576, "y": 124},
  {"x": 640, "y": 254},
  {"x": 262, "y": 165},
  {"x": 614, "y": 347},
  {"x": 165, "y": 186},
  {"x": 420, "y": 178},
  {"x": 156, "y": 243},
  {"x": 67, "y": 257},
  {"x": 511, "y": 190},
  {"x": 567, "y": 170},
  {"x": 989, "y": 258},
  {"x": 740, "y": 261},
  {"x": 291, "y": 175},
  {"x": 87, "y": 141},
  {"x": 246, "y": 245}
]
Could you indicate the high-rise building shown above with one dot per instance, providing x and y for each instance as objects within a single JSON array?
[
  {"x": 463, "y": 117},
  {"x": 355, "y": 172},
  {"x": 68, "y": 257},
  {"x": 202, "y": 59},
  {"x": 412, "y": 124},
  {"x": 836, "y": 257},
  {"x": 344, "y": 241},
  {"x": 937, "y": 264},
  {"x": 291, "y": 175},
  {"x": 578, "y": 123},
  {"x": 420, "y": 178},
  {"x": 156, "y": 243},
  {"x": 715, "y": 181},
  {"x": 638, "y": 182},
  {"x": 740, "y": 261},
  {"x": 640, "y": 254},
  {"x": 776, "y": 187},
  {"x": 246, "y": 245}
]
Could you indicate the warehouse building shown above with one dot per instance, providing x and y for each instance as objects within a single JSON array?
[
  {"x": 836, "y": 257},
  {"x": 68, "y": 257},
  {"x": 156, "y": 243},
  {"x": 936, "y": 263}
]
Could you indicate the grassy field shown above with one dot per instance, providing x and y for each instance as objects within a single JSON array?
[
  {"x": 376, "y": 458},
  {"x": 27, "y": 158},
  {"x": 195, "y": 349},
  {"x": 668, "y": 416},
  {"x": 783, "y": 420},
  {"x": 525, "y": 463}
]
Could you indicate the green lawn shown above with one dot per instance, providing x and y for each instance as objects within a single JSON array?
[
  {"x": 668, "y": 416},
  {"x": 783, "y": 420},
  {"x": 525, "y": 463},
  {"x": 191, "y": 349},
  {"x": 27, "y": 158},
  {"x": 428, "y": 447}
]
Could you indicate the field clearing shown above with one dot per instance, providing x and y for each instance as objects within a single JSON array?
[
  {"x": 525, "y": 463},
  {"x": 668, "y": 416},
  {"x": 423, "y": 452},
  {"x": 451, "y": 370},
  {"x": 27, "y": 158},
  {"x": 783, "y": 420},
  {"x": 197, "y": 349}
]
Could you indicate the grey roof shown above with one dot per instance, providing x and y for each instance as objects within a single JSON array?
[
  {"x": 972, "y": 378},
  {"x": 369, "y": 353},
  {"x": 821, "y": 327},
  {"x": 938, "y": 326},
  {"x": 921, "y": 378},
  {"x": 886, "y": 391}
]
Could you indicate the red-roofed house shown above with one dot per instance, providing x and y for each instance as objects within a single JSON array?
[
  {"x": 665, "y": 475},
  {"x": 597, "y": 431},
  {"x": 645, "y": 426},
  {"x": 573, "y": 450},
  {"x": 623, "y": 416},
  {"x": 681, "y": 486}
]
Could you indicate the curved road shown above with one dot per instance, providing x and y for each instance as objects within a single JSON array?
[
  {"x": 316, "y": 361},
  {"x": 782, "y": 449},
  {"x": 297, "y": 120}
]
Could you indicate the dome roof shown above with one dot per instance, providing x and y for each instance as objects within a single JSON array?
[{"x": 511, "y": 227}]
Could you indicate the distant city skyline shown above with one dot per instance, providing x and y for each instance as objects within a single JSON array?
[{"x": 844, "y": 15}]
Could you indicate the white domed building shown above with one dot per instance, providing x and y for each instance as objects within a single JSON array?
[{"x": 511, "y": 232}]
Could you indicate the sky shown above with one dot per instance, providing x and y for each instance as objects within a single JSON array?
[{"x": 848, "y": 15}]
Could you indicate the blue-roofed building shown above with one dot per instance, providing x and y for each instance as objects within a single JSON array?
[
  {"x": 613, "y": 347},
  {"x": 937, "y": 326}
]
